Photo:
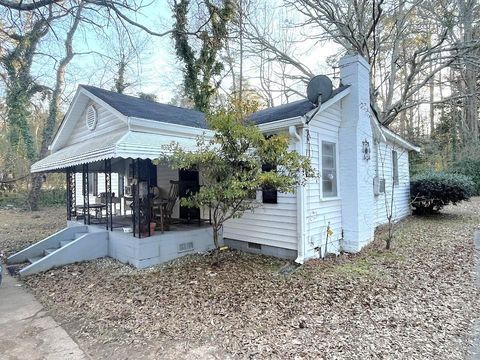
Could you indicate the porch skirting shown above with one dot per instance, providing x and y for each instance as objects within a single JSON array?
[{"x": 156, "y": 249}]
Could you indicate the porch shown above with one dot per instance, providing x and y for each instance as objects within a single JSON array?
[
  {"x": 127, "y": 209},
  {"x": 134, "y": 195},
  {"x": 138, "y": 204},
  {"x": 138, "y": 221}
]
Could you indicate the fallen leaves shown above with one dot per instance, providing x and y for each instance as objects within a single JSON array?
[{"x": 415, "y": 301}]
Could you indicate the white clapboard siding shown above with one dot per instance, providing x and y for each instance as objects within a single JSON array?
[
  {"x": 101, "y": 188},
  {"x": 320, "y": 211},
  {"x": 270, "y": 224},
  {"x": 106, "y": 124},
  {"x": 401, "y": 194}
]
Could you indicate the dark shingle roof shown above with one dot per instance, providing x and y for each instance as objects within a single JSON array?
[
  {"x": 146, "y": 109},
  {"x": 285, "y": 111}
]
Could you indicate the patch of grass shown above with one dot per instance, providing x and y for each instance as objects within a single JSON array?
[
  {"x": 360, "y": 267},
  {"x": 386, "y": 256}
]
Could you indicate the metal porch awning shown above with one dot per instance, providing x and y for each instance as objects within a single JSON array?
[{"x": 132, "y": 144}]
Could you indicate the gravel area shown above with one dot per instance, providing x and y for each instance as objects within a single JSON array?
[{"x": 417, "y": 301}]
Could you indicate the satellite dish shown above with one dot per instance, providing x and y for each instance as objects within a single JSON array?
[{"x": 319, "y": 85}]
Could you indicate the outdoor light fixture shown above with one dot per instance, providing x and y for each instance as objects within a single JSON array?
[{"x": 366, "y": 149}]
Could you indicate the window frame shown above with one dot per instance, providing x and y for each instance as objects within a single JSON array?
[{"x": 336, "y": 194}]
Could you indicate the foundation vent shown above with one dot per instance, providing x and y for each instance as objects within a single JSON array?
[
  {"x": 254, "y": 246},
  {"x": 184, "y": 247}
]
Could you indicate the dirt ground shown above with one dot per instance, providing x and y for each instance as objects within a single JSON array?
[{"x": 417, "y": 301}]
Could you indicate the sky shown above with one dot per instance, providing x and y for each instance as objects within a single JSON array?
[{"x": 157, "y": 70}]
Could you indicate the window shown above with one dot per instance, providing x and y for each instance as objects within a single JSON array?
[
  {"x": 395, "y": 167},
  {"x": 269, "y": 194},
  {"x": 329, "y": 169}
]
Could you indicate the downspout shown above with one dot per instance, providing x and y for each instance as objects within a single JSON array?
[{"x": 292, "y": 130}]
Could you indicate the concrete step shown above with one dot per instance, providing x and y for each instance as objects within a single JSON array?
[
  {"x": 34, "y": 259},
  {"x": 49, "y": 251},
  {"x": 65, "y": 242},
  {"x": 91, "y": 246},
  {"x": 77, "y": 235}
]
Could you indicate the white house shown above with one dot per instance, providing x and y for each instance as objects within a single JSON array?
[
  {"x": 107, "y": 141},
  {"x": 359, "y": 162}
]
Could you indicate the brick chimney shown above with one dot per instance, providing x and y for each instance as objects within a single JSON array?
[{"x": 356, "y": 173}]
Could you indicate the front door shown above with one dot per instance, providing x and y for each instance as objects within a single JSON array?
[{"x": 188, "y": 184}]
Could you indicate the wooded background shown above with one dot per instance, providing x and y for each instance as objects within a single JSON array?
[{"x": 424, "y": 58}]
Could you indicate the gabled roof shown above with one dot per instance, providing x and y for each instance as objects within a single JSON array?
[
  {"x": 286, "y": 111},
  {"x": 131, "y": 106}
]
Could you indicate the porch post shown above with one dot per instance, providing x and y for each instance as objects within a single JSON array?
[
  {"x": 135, "y": 199},
  {"x": 108, "y": 193},
  {"x": 149, "y": 207},
  {"x": 86, "y": 200},
  {"x": 139, "y": 217},
  {"x": 71, "y": 200}
]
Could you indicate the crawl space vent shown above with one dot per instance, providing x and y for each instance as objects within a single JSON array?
[
  {"x": 255, "y": 246},
  {"x": 183, "y": 247},
  {"x": 91, "y": 117}
]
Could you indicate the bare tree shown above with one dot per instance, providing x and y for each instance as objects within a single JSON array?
[
  {"x": 54, "y": 106},
  {"x": 408, "y": 43}
]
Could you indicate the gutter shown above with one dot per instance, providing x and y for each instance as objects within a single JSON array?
[
  {"x": 397, "y": 139},
  {"x": 281, "y": 124},
  {"x": 292, "y": 130}
]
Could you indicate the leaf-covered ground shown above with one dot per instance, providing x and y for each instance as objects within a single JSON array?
[
  {"x": 417, "y": 301},
  {"x": 19, "y": 229}
]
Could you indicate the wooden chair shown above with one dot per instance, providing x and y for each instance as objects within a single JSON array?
[{"x": 163, "y": 207}]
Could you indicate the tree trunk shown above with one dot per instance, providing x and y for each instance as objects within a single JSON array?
[
  {"x": 471, "y": 108},
  {"x": 216, "y": 231},
  {"x": 36, "y": 181},
  {"x": 53, "y": 110}
]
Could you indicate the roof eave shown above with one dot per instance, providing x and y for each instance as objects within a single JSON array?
[
  {"x": 397, "y": 139},
  {"x": 324, "y": 106},
  {"x": 282, "y": 124}
]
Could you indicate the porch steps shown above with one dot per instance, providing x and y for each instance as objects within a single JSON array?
[
  {"x": 49, "y": 251},
  {"x": 70, "y": 245},
  {"x": 65, "y": 242},
  {"x": 34, "y": 259}
]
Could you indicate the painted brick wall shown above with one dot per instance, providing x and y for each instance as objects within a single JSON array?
[{"x": 356, "y": 179}]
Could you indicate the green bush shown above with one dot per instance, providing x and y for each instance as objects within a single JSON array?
[
  {"x": 470, "y": 168},
  {"x": 431, "y": 191},
  {"x": 53, "y": 197}
]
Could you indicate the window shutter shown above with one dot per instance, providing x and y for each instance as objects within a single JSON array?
[{"x": 269, "y": 194}]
